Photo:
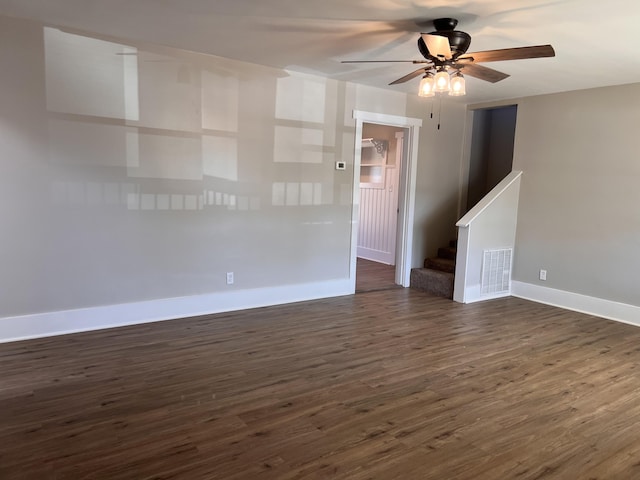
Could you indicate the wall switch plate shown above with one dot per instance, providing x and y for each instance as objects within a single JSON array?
[
  {"x": 543, "y": 274},
  {"x": 341, "y": 165},
  {"x": 229, "y": 278}
]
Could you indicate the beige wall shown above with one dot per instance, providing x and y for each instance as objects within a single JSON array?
[
  {"x": 133, "y": 174},
  {"x": 579, "y": 204}
]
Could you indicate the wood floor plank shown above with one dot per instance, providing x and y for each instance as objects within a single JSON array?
[
  {"x": 374, "y": 276},
  {"x": 382, "y": 385}
]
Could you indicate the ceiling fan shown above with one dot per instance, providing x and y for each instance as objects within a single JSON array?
[{"x": 446, "y": 57}]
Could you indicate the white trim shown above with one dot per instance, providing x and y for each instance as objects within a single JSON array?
[
  {"x": 95, "y": 318},
  {"x": 401, "y": 160},
  {"x": 406, "y": 200},
  {"x": 473, "y": 294},
  {"x": 488, "y": 199},
  {"x": 600, "y": 307},
  {"x": 375, "y": 255},
  {"x": 384, "y": 119},
  {"x": 460, "y": 293}
]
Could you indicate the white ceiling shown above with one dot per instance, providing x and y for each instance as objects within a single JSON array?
[{"x": 597, "y": 42}]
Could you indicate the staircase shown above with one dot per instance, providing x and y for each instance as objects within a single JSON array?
[{"x": 437, "y": 275}]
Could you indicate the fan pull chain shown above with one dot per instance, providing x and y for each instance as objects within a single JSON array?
[
  {"x": 431, "y": 108},
  {"x": 439, "y": 111}
]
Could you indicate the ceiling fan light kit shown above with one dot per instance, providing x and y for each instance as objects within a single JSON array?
[
  {"x": 443, "y": 83},
  {"x": 457, "y": 85},
  {"x": 445, "y": 53},
  {"x": 427, "y": 86}
]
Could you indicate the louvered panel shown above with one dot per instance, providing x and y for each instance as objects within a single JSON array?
[{"x": 496, "y": 271}]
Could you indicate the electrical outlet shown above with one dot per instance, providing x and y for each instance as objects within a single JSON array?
[
  {"x": 229, "y": 278},
  {"x": 543, "y": 274}
]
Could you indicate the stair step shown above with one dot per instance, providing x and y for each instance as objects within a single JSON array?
[
  {"x": 432, "y": 281},
  {"x": 442, "y": 264},
  {"x": 447, "y": 252}
]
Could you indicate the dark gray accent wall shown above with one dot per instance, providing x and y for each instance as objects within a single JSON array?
[{"x": 491, "y": 150}]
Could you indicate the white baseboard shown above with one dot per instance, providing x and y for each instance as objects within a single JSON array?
[
  {"x": 599, "y": 307},
  {"x": 375, "y": 255},
  {"x": 472, "y": 295},
  {"x": 95, "y": 318}
]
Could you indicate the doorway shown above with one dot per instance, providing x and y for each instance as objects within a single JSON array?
[
  {"x": 376, "y": 164},
  {"x": 382, "y": 148}
]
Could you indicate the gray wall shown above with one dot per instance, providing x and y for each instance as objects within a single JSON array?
[
  {"x": 438, "y": 183},
  {"x": 132, "y": 174},
  {"x": 579, "y": 214}
]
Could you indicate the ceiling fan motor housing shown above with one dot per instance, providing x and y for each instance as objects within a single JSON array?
[
  {"x": 458, "y": 41},
  {"x": 445, "y": 24}
]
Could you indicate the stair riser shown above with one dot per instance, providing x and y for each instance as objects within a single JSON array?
[
  {"x": 440, "y": 264},
  {"x": 437, "y": 275},
  {"x": 432, "y": 281},
  {"x": 447, "y": 252}
]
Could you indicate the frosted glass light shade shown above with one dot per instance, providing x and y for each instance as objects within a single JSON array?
[
  {"x": 457, "y": 86},
  {"x": 426, "y": 86},
  {"x": 442, "y": 81}
]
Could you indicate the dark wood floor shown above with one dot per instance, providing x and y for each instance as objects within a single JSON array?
[
  {"x": 392, "y": 384},
  {"x": 373, "y": 276}
]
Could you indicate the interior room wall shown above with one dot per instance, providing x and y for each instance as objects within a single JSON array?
[
  {"x": 133, "y": 173},
  {"x": 578, "y": 212},
  {"x": 439, "y": 172}
]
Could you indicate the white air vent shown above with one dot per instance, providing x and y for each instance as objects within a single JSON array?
[{"x": 496, "y": 272}]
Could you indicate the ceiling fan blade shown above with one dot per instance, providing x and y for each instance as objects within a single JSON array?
[
  {"x": 438, "y": 45},
  {"x": 409, "y": 76},
  {"x": 385, "y": 61},
  {"x": 483, "y": 73},
  {"x": 519, "y": 53}
]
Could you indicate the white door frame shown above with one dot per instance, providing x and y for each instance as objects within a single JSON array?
[{"x": 407, "y": 191}]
